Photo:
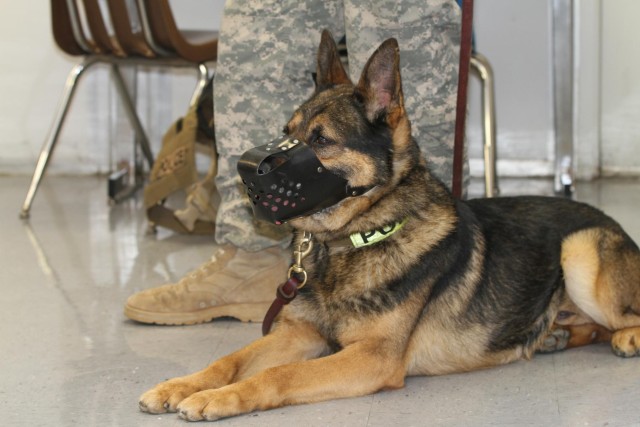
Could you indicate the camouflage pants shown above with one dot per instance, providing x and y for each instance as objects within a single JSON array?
[{"x": 266, "y": 57}]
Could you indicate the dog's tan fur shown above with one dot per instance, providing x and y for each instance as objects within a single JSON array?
[{"x": 446, "y": 293}]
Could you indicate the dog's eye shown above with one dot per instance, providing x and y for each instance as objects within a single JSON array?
[
  {"x": 316, "y": 138},
  {"x": 321, "y": 140}
]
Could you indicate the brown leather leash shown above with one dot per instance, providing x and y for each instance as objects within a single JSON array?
[
  {"x": 284, "y": 295},
  {"x": 466, "y": 37},
  {"x": 297, "y": 278}
]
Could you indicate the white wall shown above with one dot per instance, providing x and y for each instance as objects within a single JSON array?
[
  {"x": 514, "y": 35},
  {"x": 31, "y": 75},
  {"x": 620, "y": 88},
  {"x": 515, "y": 38}
]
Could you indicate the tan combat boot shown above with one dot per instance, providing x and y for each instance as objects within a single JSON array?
[{"x": 234, "y": 283}]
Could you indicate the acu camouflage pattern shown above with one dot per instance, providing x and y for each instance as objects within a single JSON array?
[{"x": 266, "y": 57}]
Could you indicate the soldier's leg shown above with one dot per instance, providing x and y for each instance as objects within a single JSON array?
[
  {"x": 428, "y": 32},
  {"x": 266, "y": 59}
]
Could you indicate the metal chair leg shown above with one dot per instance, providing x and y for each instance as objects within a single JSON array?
[
  {"x": 562, "y": 73},
  {"x": 203, "y": 76},
  {"x": 480, "y": 65},
  {"x": 52, "y": 138},
  {"x": 131, "y": 114},
  {"x": 68, "y": 93}
]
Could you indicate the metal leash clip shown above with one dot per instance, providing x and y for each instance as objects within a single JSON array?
[{"x": 300, "y": 252}]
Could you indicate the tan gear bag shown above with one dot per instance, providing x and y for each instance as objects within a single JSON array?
[{"x": 175, "y": 170}]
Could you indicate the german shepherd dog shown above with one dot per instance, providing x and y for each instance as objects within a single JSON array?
[{"x": 461, "y": 285}]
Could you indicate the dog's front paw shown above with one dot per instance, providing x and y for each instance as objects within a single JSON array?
[
  {"x": 211, "y": 405},
  {"x": 626, "y": 342},
  {"x": 166, "y": 396},
  {"x": 556, "y": 340}
]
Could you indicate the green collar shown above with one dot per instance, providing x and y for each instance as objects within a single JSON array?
[{"x": 367, "y": 238}]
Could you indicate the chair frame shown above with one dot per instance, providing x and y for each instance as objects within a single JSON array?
[{"x": 96, "y": 52}]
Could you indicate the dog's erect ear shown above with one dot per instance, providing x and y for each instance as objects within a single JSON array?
[
  {"x": 330, "y": 70},
  {"x": 380, "y": 85}
]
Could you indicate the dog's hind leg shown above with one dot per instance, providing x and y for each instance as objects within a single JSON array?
[
  {"x": 289, "y": 342},
  {"x": 626, "y": 342},
  {"x": 572, "y": 327},
  {"x": 602, "y": 277},
  {"x": 570, "y": 336}
]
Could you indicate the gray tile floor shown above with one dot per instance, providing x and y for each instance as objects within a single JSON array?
[{"x": 69, "y": 357}]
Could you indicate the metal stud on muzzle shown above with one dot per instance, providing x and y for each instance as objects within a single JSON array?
[{"x": 284, "y": 180}]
